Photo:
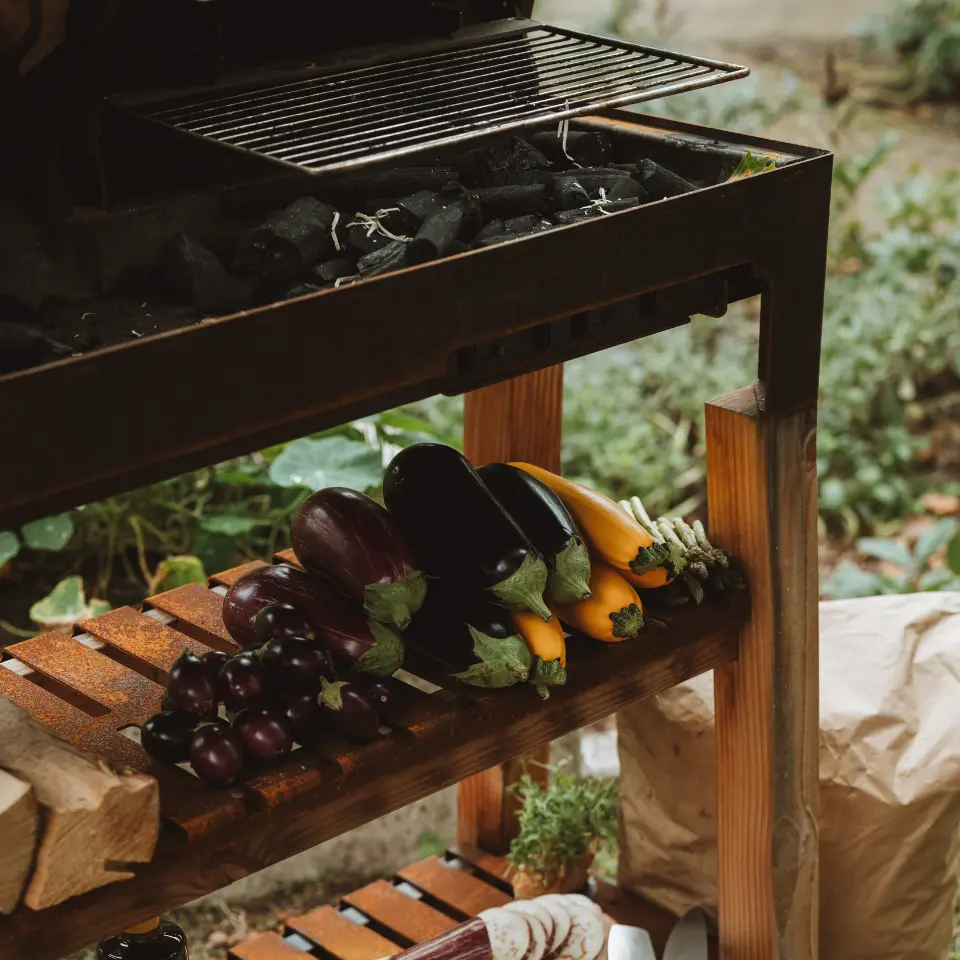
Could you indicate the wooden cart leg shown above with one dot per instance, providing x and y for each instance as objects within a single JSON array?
[
  {"x": 762, "y": 494},
  {"x": 519, "y": 419}
]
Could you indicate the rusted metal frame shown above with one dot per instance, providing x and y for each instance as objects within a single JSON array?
[{"x": 269, "y": 375}]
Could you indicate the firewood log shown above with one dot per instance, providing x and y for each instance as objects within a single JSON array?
[
  {"x": 95, "y": 819},
  {"x": 18, "y": 834}
]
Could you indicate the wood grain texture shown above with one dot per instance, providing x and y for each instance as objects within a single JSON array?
[
  {"x": 18, "y": 835},
  {"x": 453, "y": 888},
  {"x": 519, "y": 419},
  {"x": 403, "y": 915},
  {"x": 762, "y": 501},
  {"x": 343, "y": 938},
  {"x": 268, "y": 946}
]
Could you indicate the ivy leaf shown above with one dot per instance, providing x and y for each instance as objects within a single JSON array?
[
  {"x": 63, "y": 606},
  {"x": 328, "y": 462},
  {"x": 230, "y": 524},
  {"x": 178, "y": 572},
  {"x": 937, "y": 580},
  {"x": 50, "y": 533},
  {"x": 9, "y": 547},
  {"x": 932, "y": 539},
  {"x": 750, "y": 164},
  {"x": 892, "y": 551}
]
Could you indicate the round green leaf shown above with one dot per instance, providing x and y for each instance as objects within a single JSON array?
[
  {"x": 50, "y": 533},
  {"x": 178, "y": 572},
  {"x": 9, "y": 546},
  {"x": 231, "y": 524},
  {"x": 64, "y": 605},
  {"x": 328, "y": 462},
  {"x": 953, "y": 554}
]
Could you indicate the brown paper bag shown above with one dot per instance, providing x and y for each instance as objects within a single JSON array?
[{"x": 889, "y": 782}]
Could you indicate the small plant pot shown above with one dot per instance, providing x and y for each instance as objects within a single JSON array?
[{"x": 527, "y": 885}]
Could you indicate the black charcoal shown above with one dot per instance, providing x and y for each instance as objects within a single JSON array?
[
  {"x": 493, "y": 229},
  {"x": 533, "y": 223},
  {"x": 630, "y": 169},
  {"x": 332, "y": 270},
  {"x": 569, "y": 193},
  {"x": 394, "y": 182},
  {"x": 584, "y": 147},
  {"x": 563, "y": 217},
  {"x": 457, "y": 247},
  {"x": 512, "y": 201},
  {"x": 360, "y": 238},
  {"x": 277, "y": 252},
  {"x": 452, "y": 215},
  {"x": 24, "y": 345},
  {"x": 394, "y": 256},
  {"x": 493, "y": 239},
  {"x": 625, "y": 188},
  {"x": 597, "y": 179},
  {"x": 660, "y": 183},
  {"x": 303, "y": 290},
  {"x": 507, "y": 161},
  {"x": 419, "y": 205},
  {"x": 194, "y": 274}
]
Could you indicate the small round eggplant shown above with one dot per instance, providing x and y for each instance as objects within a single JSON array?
[
  {"x": 216, "y": 754},
  {"x": 302, "y": 712},
  {"x": 282, "y": 620},
  {"x": 192, "y": 688},
  {"x": 296, "y": 663},
  {"x": 350, "y": 711},
  {"x": 266, "y": 734},
  {"x": 167, "y": 736},
  {"x": 243, "y": 682}
]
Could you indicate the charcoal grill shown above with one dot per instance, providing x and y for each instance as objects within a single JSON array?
[{"x": 238, "y": 126}]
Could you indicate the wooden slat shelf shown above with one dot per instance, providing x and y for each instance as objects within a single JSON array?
[
  {"x": 211, "y": 837},
  {"x": 390, "y": 915}
]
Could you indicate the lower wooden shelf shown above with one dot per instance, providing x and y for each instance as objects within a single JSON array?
[
  {"x": 97, "y": 687},
  {"x": 421, "y": 902}
]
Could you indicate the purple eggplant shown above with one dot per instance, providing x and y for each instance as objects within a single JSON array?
[
  {"x": 354, "y": 643},
  {"x": 351, "y": 540},
  {"x": 350, "y": 711}
]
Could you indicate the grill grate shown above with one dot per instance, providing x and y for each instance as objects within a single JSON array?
[{"x": 354, "y": 116}]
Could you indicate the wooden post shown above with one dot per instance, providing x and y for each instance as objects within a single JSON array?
[
  {"x": 519, "y": 419},
  {"x": 761, "y": 477}
]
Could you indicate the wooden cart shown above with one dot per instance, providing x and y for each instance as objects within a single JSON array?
[{"x": 499, "y": 322}]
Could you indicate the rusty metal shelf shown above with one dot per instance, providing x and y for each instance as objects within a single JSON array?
[
  {"x": 107, "y": 680},
  {"x": 268, "y": 375}
]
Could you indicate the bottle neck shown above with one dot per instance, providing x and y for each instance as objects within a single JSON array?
[{"x": 141, "y": 929}]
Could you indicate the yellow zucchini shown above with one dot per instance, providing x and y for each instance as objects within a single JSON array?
[
  {"x": 611, "y": 533},
  {"x": 548, "y": 649},
  {"x": 652, "y": 580},
  {"x": 613, "y": 611}
]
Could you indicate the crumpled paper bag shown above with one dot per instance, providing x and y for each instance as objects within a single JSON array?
[{"x": 889, "y": 782}]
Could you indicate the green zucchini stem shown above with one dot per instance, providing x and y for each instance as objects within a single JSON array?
[
  {"x": 395, "y": 601},
  {"x": 502, "y": 663},
  {"x": 649, "y": 558},
  {"x": 547, "y": 674},
  {"x": 523, "y": 589},
  {"x": 569, "y": 580}
]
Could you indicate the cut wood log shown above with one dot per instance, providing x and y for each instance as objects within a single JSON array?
[
  {"x": 95, "y": 819},
  {"x": 18, "y": 834}
]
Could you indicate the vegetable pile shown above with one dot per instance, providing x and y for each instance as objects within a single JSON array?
[{"x": 476, "y": 569}]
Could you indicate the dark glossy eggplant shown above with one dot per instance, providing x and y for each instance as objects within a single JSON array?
[
  {"x": 351, "y": 540},
  {"x": 351, "y": 712},
  {"x": 458, "y": 529},
  {"x": 168, "y": 735},
  {"x": 549, "y": 525},
  {"x": 192, "y": 687},
  {"x": 472, "y": 637},
  {"x": 354, "y": 642}
]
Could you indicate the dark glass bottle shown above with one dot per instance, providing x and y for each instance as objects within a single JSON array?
[{"x": 154, "y": 940}]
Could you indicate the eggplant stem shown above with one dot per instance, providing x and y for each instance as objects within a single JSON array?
[
  {"x": 523, "y": 589},
  {"x": 569, "y": 580},
  {"x": 395, "y": 601}
]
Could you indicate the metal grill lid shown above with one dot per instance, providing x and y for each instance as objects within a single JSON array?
[{"x": 493, "y": 79}]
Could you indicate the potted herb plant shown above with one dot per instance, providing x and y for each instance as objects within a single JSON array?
[{"x": 562, "y": 827}]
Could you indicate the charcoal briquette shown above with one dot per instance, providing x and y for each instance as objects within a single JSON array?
[
  {"x": 512, "y": 201},
  {"x": 394, "y": 256},
  {"x": 569, "y": 193},
  {"x": 24, "y": 345},
  {"x": 450, "y": 216},
  {"x": 194, "y": 274},
  {"x": 584, "y": 147},
  {"x": 332, "y": 270},
  {"x": 660, "y": 183},
  {"x": 564, "y": 217},
  {"x": 492, "y": 229}
]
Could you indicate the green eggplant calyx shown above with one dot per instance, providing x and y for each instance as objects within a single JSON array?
[
  {"x": 503, "y": 663},
  {"x": 331, "y": 694},
  {"x": 395, "y": 601},
  {"x": 569, "y": 580},
  {"x": 385, "y": 658},
  {"x": 548, "y": 673},
  {"x": 649, "y": 558},
  {"x": 523, "y": 589},
  {"x": 628, "y": 621}
]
